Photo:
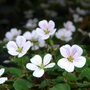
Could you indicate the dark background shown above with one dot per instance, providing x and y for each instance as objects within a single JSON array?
[{"x": 12, "y": 13}]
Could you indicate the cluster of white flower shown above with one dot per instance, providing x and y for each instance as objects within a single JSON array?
[
  {"x": 36, "y": 38},
  {"x": 72, "y": 57},
  {"x": 12, "y": 34},
  {"x": 78, "y": 14},
  {"x": 77, "y": 18},
  {"x": 65, "y": 34},
  {"x": 31, "y": 23}
]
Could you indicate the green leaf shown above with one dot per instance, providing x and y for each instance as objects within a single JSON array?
[
  {"x": 70, "y": 76},
  {"x": 85, "y": 73},
  {"x": 61, "y": 87},
  {"x": 16, "y": 72},
  {"x": 21, "y": 61},
  {"x": 44, "y": 83},
  {"x": 22, "y": 84}
]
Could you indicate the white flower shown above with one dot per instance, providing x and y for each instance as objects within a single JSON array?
[
  {"x": 12, "y": 34},
  {"x": 18, "y": 48},
  {"x": 72, "y": 58},
  {"x": 69, "y": 26},
  {"x": 38, "y": 65},
  {"x": 64, "y": 35},
  {"x": 27, "y": 35},
  {"x": 81, "y": 11},
  {"x": 31, "y": 23},
  {"x": 77, "y": 18},
  {"x": 35, "y": 40},
  {"x": 2, "y": 79},
  {"x": 46, "y": 29}
]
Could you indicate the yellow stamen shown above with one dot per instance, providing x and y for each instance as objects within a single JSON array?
[
  {"x": 70, "y": 58},
  {"x": 46, "y": 31},
  {"x": 19, "y": 50}
]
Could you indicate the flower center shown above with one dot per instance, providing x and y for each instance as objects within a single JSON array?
[
  {"x": 19, "y": 50},
  {"x": 70, "y": 59},
  {"x": 35, "y": 42},
  {"x": 42, "y": 66},
  {"x": 46, "y": 31},
  {"x": 63, "y": 37}
]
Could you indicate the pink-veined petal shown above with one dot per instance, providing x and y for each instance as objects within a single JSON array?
[
  {"x": 43, "y": 24},
  {"x": 11, "y": 45},
  {"x": 79, "y": 62},
  {"x": 20, "y": 40},
  {"x": 26, "y": 46},
  {"x": 76, "y": 51},
  {"x": 51, "y": 24},
  {"x": 65, "y": 50}
]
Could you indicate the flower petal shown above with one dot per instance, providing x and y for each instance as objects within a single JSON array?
[
  {"x": 13, "y": 53},
  {"x": 37, "y": 60},
  {"x": 39, "y": 31},
  {"x": 3, "y": 79},
  {"x": 76, "y": 51},
  {"x": 69, "y": 67},
  {"x": 65, "y": 50},
  {"x": 31, "y": 66},
  {"x": 11, "y": 45},
  {"x": 41, "y": 42},
  {"x": 42, "y": 34},
  {"x": 27, "y": 35},
  {"x": 38, "y": 73},
  {"x": 50, "y": 65},
  {"x": 65, "y": 64},
  {"x": 52, "y": 32},
  {"x": 2, "y": 71},
  {"x": 8, "y": 36},
  {"x": 20, "y": 40},
  {"x": 79, "y": 62},
  {"x": 43, "y": 24},
  {"x": 47, "y": 59},
  {"x": 61, "y": 62},
  {"x": 51, "y": 24},
  {"x": 26, "y": 46},
  {"x": 21, "y": 54}
]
